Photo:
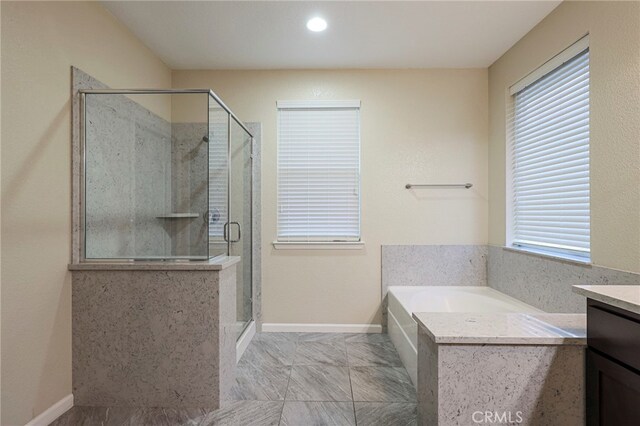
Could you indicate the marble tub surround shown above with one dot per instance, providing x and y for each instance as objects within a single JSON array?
[
  {"x": 153, "y": 337},
  {"x": 540, "y": 281},
  {"x": 426, "y": 265},
  {"x": 546, "y": 283},
  {"x": 443, "y": 265},
  {"x": 454, "y": 301},
  {"x": 625, "y": 297},
  {"x": 529, "y": 367},
  {"x": 503, "y": 328}
]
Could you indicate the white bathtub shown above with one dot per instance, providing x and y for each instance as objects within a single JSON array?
[{"x": 403, "y": 301}]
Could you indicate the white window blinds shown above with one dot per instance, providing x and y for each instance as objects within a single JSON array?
[
  {"x": 550, "y": 174},
  {"x": 319, "y": 171}
]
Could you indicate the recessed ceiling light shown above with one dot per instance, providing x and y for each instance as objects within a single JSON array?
[{"x": 317, "y": 24}]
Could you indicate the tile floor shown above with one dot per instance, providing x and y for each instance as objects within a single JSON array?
[{"x": 300, "y": 379}]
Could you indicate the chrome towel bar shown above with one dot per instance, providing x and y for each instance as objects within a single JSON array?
[{"x": 439, "y": 185}]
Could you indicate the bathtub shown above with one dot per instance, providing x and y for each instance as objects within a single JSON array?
[{"x": 403, "y": 301}]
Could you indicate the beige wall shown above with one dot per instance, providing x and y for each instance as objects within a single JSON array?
[
  {"x": 417, "y": 126},
  {"x": 614, "y": 34},
  {"x": 40, "y": 42}
]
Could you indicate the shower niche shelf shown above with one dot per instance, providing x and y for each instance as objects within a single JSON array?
[{"x": 178, "y": 216}]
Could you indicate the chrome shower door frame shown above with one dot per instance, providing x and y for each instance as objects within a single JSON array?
[{"x": 81, "y": 250}]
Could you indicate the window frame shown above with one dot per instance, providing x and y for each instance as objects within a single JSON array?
[
  {"x": 302, "y": 242},
  {"x": 566, "y": 55}
]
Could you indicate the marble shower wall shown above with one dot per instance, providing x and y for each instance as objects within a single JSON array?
[
  {"x": 189, "y": 176},
  {"x": 545, "y": 282},
  {"x": 128, "y": 151},
  {"x": 138, "y": 166},
  {"x": 432, "y": 265}
]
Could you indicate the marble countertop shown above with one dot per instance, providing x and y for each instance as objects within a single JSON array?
[
  {"x": 503, "y": 328},
  {"x": 625, "y": 297},
  {"x": 215, "y": 264}
]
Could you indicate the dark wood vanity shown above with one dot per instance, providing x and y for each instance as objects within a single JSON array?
[{"x": 612, "y": 365}]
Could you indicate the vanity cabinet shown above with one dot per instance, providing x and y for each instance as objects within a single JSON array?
[{"x": 613, "y": 365}]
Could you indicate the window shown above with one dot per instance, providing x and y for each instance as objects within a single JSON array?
[
  {"x": 318, "y": 171},
  {"x": 549, "y": 132}
]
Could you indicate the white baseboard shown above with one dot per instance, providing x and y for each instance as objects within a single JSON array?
[
  {"x": 321, "y": 328},
  {"x": 49, "y": 415},
  {"x": 244, "y": 340}
]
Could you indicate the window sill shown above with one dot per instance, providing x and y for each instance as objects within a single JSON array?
[
  {"x": 567, "y": 258},
  {"x": 320, "y": 245}
]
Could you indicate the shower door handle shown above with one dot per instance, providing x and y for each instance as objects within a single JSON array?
[
  {"x": 226, "y": 232},
  {"x": 239, "y": 232}
]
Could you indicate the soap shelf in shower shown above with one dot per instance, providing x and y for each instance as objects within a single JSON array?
[{"x": 178, "y": 216}]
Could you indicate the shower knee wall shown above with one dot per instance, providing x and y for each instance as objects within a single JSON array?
[{"x": 153, "y": 336}]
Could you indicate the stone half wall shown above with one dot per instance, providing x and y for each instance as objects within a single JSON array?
[
  {"x": 153, "y": 338},
  {"x": 540, "y": 281}
]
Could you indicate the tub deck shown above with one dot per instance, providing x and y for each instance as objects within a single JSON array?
[{"x": 404, "y": 301}]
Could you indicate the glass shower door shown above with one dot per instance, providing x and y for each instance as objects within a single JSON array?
[
  {"x": 218, "y": 178},
  {"x": 239, "y": 230}
]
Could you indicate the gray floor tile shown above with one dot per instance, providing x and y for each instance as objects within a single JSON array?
[
  {"x": 386, "y": 414},
  {"x": 269, "y": 353},
  {"x": 276, "y": 337},
  {"x": 381, "y": 384},
  {"x": 126, "y": 416},
  {"x": 321, "y": 337},
  {"x": 137, "y": 417},
  {"x": 323, "y": 353},
  {"x": 263, "y": 384},
  {"x": 367, "y": 338},
  {"x": 185, "y": 416},
  {"x": 246, "y": 413},
  {"x": 317, "y": 414},
  {"x": 373, "y": 354},
  {"x": 82, "y": 416},
  {"x": 130, "y": 416},
  {"x": 319, "y": 383}
]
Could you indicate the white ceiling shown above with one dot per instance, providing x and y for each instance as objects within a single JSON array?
[{"x": 369, "y": 34}]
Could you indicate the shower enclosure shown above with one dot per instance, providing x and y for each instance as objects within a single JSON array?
[{"x": 167, "y": 177}]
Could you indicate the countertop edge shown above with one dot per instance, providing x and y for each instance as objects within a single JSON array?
[
  {"x": 512, "y": 341},
  {"x": 484, "y": 339},
  {"x": 210, "y": 265},
  {"x": 591, "y": 293}
]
